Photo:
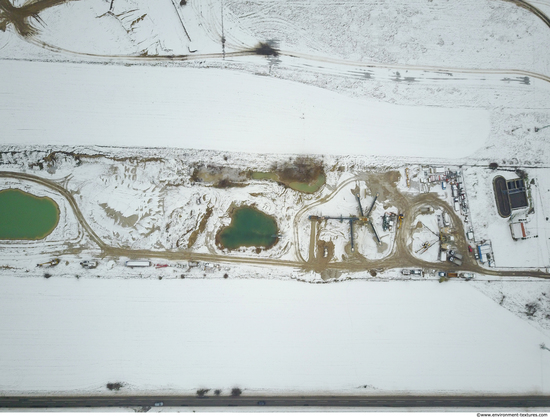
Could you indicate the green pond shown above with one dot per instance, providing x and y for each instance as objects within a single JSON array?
[
  {"x": 25, "y": 216},
  {"x": 296, "y": 185},
  {"x": 249, "y": 228}
]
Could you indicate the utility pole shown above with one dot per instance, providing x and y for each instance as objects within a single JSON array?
[{"x": 223, "y": 32}]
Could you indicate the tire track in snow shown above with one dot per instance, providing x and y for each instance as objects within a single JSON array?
[{"x": 297, "y": 55}]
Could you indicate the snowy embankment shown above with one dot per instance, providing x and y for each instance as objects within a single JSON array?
[
  {"x": 263, "y": 336},
  {"x": 187, "y": 108}
]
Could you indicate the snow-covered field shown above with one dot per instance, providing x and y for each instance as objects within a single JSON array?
[
  {"x": 213, "y": 109},
  {"x": 382, "y": 85},
  {"x": 263, "y": 336}
]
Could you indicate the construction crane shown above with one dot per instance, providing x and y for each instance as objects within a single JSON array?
[
  {"x": 50, "y": 263},
  {"x": 424, "y": 225},
  {"x": 366, "y": 218},
  {"x": 426, "y": 246},
  {"x": 362, "y": 219}
]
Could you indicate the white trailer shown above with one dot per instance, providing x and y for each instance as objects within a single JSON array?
[{"x": 138, "y": 263}]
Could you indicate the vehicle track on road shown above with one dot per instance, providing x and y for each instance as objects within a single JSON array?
[
  {"x": 145, "y": 59},
  {"x": 404, "y": 67},
  {"x": 307, "y": 57}
]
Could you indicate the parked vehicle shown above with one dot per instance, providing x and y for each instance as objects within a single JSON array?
[
  {"x": 89, "y": 264},
  {"x": 414, "y": 272},
  {"x": 138, "y": 263},
  {"x": 467, "y": 276},
  {"x": 448, "y": 274},
  {"x": 453, "y": 253},
  {"x": 455, "y": 260},
  {"x": 50, "y": 263}
]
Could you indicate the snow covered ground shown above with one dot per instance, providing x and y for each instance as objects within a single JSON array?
[
  {"x": 380, "y": 84},
  {"x": 469, "y": 33},
  {"x": 263, "y": 336},
  {"x": 213, "y": 109}
]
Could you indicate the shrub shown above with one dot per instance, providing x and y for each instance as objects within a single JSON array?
[
  {"x": 202, "y": 392},
  {"x": 236, "y": 392},
  {"x": 522, "y": 174},
  {"x": 115, "y": 386},
  {"x": 531, "y": 309}
]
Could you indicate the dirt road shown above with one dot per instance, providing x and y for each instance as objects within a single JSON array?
[
  {"x": 400, "y": 257},
  {"x": 19, "y": 17}
]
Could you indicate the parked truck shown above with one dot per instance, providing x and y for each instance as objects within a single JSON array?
[
  {"x": 413, "y": 272},
  {"x": 453, "y": 253},
  {"x": 138, "y": 263},
  {"x": 467, "y": 276},
  {"x": 89, "y": 264},
  {"x": 455, "y": 260},
  {"x": 50, "y": 263}
]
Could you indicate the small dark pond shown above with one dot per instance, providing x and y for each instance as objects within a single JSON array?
[{"x": 249, "y": 228}]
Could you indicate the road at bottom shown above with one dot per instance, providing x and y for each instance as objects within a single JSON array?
[{"x": 495, "y": 402}]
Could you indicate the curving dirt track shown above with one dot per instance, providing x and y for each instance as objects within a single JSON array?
[
  {"x": 19, "y": 18},
  {"x": 307, "y": 57},
  {"x": 401, "y": 256},
  {"x": 536, "y": 11}
]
